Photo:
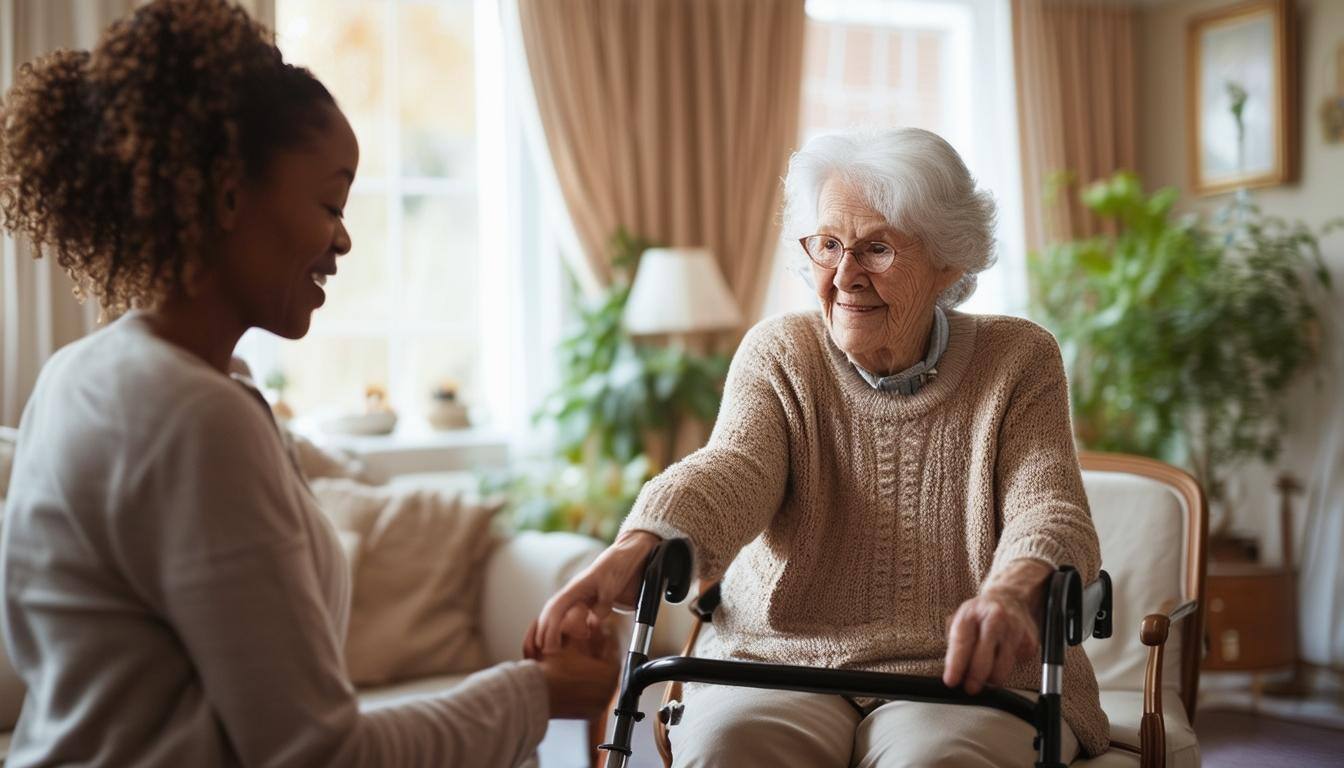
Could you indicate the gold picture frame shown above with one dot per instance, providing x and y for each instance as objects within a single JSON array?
[{"x": 1241, "y": 88}]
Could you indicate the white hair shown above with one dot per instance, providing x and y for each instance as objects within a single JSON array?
[{"x": 914, "y": 179}]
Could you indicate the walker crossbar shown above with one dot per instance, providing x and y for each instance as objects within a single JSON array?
[{"x": 1072, "y": 613}]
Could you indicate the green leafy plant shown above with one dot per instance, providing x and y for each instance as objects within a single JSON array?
[
  {"x": 277, "y": 382},
  {"x": 614, "y": 396},
  {"x": 1181, "y": 337},
  {"x": 554, "y": 495}
]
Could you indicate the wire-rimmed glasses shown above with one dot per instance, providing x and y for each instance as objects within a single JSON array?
[{"x": 826, "y": 251}]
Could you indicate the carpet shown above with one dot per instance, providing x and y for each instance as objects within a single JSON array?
[{"x": 1239, "y": 739}]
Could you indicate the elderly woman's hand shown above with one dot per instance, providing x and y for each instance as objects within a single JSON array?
[
  {"x": 579, "y": 609},
  {"x": 993, "y": 631}
]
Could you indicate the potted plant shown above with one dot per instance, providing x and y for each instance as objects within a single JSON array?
[
  {"x": 278, "y": 382},
  {"x": 1181, "y": 337},
  {"x": 614, "y": 398}
]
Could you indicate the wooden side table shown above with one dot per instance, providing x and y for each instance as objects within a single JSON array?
[
  {"x": 1252, "y": 615},
  {"x": 1252, "y": 623}
]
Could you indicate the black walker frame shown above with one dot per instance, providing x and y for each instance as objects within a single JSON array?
[{"x": 1072, "y": 613}]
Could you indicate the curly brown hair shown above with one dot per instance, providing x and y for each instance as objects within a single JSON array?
[{"x": 111, "y": 159}]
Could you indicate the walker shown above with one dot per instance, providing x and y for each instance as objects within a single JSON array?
[{"x": 1072, "y": 613}]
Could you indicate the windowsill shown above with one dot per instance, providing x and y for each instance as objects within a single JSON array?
[{"x": 415, "y": 449}]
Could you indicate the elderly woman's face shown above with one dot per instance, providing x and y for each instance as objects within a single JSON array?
[{"x": 878, "y": 319}]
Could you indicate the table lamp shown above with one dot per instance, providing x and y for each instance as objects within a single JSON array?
[{"x": 679, "y": 291}]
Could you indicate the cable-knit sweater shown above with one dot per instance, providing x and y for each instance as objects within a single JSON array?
[{"x": 852, "y": 523}]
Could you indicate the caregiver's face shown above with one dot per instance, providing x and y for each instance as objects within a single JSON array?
[{"x": 874, "y": 315}]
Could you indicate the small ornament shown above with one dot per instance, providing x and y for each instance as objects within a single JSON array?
[{"x": 445, "y": 412}]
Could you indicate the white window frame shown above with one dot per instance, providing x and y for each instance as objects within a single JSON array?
[{"x": 499, "y": 178}]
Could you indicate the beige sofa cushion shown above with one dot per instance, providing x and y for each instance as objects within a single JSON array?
[
  {"x": 1140, "y": 523},
  {"x": 418, "y": 574}
]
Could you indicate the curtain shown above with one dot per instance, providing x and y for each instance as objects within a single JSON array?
[
  {"x": 671, "y": 118},
  {"x": 38, "y": 311},
  {"x": 1320, "y": 567},
  {"x": 1076, "y": 70},
  {"x": 37, "y": 305}
]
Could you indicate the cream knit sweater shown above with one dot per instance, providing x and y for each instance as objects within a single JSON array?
[{"x": 852, "y": 523}]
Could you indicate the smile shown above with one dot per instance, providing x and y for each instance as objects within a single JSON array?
[
  {"x": 319, "y": 278},
  {"x": 856, "y": 308}
]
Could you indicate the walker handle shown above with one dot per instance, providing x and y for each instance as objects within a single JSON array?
[{"x": 667, "y": 573}]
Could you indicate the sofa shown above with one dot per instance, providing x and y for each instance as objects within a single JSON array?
[{"x": 517, "y": 573}]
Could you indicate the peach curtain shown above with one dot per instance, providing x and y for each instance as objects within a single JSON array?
[
  {"x": 1076, "y": 70},
  {"x": 671, "y": 118}
]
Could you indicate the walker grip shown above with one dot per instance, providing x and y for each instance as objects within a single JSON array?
[{"x": 667, "y": 574}]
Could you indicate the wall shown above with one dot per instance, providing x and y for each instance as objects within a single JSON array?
[{"x": 1318, "y": 196}]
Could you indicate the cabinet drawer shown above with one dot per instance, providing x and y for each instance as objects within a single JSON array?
[{"x": 1250, "y": 619}]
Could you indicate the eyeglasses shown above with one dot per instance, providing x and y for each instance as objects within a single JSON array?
[{"x": 873, "y": 256}]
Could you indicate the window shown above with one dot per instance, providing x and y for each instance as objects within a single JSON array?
[
  {"x": 419, "y": 299},
  {"x": 942, "y": 65}
]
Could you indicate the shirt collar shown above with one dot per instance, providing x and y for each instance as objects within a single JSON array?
[{"x": 909, "y": 381}]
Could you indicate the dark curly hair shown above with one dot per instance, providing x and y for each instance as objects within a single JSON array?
[{"x": 111, "y": 159}]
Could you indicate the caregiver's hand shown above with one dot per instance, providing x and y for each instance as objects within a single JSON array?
[
  {"x": 580, "y": 609},
  {"x": 581, "y": 678},
  {"x": 993, "y": 631}
]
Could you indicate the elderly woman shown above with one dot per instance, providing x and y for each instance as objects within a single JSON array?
[{"x": 889, "y": 484}]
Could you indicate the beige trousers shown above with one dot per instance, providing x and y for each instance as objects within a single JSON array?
[{"x": 746, "y": 727}]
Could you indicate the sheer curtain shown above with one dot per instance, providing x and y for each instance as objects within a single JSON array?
[
  {"x": 1320, "y": 580},
  {"x": 38, "y": 311},
  {"x": 37, "y": 306}
]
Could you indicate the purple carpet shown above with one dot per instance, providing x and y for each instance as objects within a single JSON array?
[{"x": 1236, "y": 739}]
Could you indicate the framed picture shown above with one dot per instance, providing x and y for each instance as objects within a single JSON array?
[{"x": 1242, "y": 107}]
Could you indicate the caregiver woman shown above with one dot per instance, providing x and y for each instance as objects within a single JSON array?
[
  {"x": 888, "y": 486},
  {"x": 172, "y": 595}
]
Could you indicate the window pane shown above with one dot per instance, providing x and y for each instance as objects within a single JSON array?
[
  {"x": 439, "y": 258},
  {"x": 436, "y": 92},
  {"x": 329, "y": 373},
  {"x": 359, "y": 294},
  {"x": 428, "y": 361},
  {"x": 343, "y": 41},
  {"x": 858, "y": 52},
  {"x": 896, "y": 52},
  {"x": 891, "y": 75},
  {"x": 817, "y": 50},
  {"x": 929, "y": 65}
]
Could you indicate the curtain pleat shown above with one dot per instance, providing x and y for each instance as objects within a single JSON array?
[
  {"x": 38, "y": 311},
  {"x": 673, "y": 119},
  {"x": 1075, "y": 67}
]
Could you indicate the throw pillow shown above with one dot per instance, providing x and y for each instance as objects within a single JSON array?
[{"x": 418, "y": 577}]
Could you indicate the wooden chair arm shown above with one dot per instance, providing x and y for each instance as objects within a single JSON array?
[{"x": 1153, "y": 632}]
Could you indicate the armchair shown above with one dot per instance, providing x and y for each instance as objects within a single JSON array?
[{"x": 1152, "y": 522}]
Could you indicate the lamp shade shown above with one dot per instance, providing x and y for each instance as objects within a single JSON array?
[{"x": 679, "y": 290}]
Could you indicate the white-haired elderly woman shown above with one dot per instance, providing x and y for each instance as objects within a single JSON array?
[{"x": 888, "y": 486}]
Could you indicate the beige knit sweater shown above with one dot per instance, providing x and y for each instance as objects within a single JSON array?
[{"x": 852, "y": 523}]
